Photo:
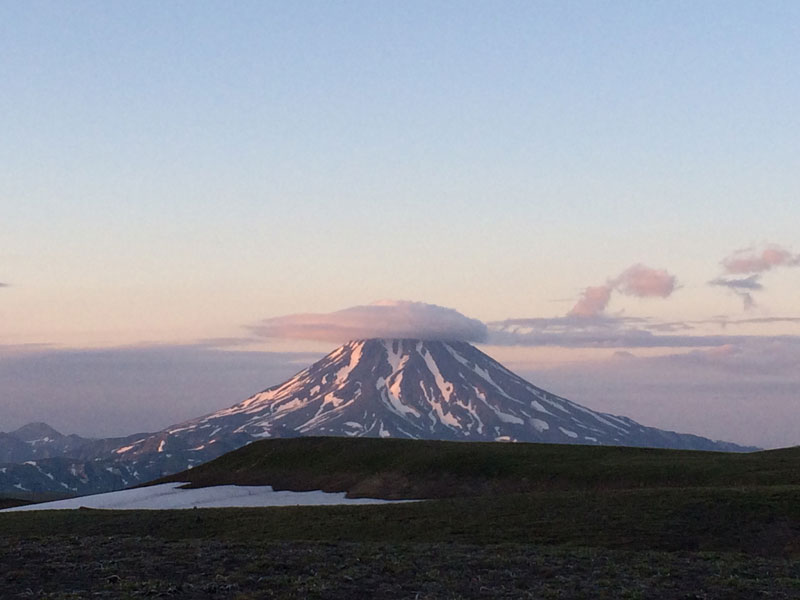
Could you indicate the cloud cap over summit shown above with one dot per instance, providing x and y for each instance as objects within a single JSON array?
[{"x": 382, "y": 319}]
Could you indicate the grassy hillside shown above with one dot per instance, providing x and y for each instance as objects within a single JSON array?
[{"x": 393, "y": 468}]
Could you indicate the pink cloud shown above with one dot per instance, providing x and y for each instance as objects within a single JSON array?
[
  {"x": 593, "y": 301},
  {"x": 644, "y": 282},
  {"x": 752, "y": 261},
  {"x": 638, "y": 280},
  {"x": 384, "y": 319}
]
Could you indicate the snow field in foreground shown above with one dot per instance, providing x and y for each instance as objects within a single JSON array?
[{"x": 169, "y": 496}]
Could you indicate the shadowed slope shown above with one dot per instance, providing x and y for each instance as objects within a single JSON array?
[{"x": 391, "y": 468}]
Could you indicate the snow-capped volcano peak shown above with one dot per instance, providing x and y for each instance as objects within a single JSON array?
[{"x": 417, "y": 389}]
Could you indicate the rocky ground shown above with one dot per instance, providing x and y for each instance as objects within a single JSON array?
[{"x": 70, "y": 567}]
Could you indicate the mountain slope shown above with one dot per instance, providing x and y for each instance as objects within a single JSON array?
[{"x": 411, "y": 389}]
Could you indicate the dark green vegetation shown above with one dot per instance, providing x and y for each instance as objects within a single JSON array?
[
  {"x": 756, "y": 521},
  {"x": 134, "y": 567},
  {"x": 522, "y": 521},
  {"x": 395, "y": 468}
]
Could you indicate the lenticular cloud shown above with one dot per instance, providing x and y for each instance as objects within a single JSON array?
[{"x": 384, "y": 319}]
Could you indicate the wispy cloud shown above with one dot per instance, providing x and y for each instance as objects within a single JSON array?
[
  {"x": 752, "y": 262},
  {"x": 596, "y": 332},
  {"x": 384, "y": 319},
  {"x": 741, "y": 287},
  {"x": 4, "y": 285},
  {"x": 621, "y": 332},
  {"x": 722, "y": 321},
  {"x": 760, "y": 320},
  {"x": 746, "y": 283},
  {"x": 638, "y": 280}
]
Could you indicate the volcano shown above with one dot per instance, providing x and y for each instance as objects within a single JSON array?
[
  {"x": 401, "y": 388},
  {"x": 412, "y": 389}
]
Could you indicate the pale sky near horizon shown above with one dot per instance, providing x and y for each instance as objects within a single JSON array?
[{"x": 177, "y": 172}]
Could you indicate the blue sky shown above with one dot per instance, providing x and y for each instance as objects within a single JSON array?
[{"x": 179, "y": 171}]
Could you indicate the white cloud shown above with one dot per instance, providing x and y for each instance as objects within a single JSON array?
[{"x": 383, "y": 319}]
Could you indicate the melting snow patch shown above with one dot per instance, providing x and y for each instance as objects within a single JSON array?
[
  {"x": 178, "y": 429},
  {"x": 355, "y": 356},
  {"x": 540, "y": 425},
  {"x": 396, "y": 405},
  {"x": 569, "y": 433},
  {"x": 290, "y": 405},
  {"x": 169, "y": 496},
  {"x": 507, "y": 418}
]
